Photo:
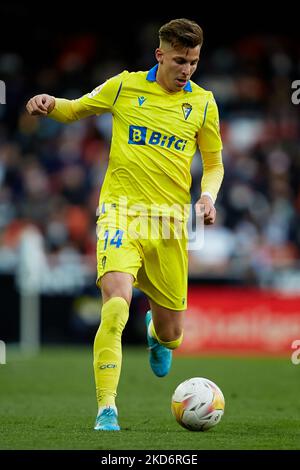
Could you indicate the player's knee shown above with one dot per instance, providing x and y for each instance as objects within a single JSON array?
[
  {"x": 110, "y": 291},
  {"x": 117, "y": 293},
  {"x": 116, "y": 285},
  {"x": 170, "y": 332}
]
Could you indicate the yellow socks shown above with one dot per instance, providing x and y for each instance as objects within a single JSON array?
[
  {"x": 168, "y": 344},
  {"x": 172, "y": 344},
  {"x": 108, "y": 350}
]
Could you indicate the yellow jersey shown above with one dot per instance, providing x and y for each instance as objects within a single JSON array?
[{"x": 155, "y": 136}]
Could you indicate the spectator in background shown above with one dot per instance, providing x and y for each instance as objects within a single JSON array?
[{"x": 251, "y": 78}]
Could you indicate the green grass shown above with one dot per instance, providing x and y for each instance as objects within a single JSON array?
[{"x": 48, "y": 402}]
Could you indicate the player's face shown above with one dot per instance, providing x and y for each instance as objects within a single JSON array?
[{"x": 176, "y": 66}]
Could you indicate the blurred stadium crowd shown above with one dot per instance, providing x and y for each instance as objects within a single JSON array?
[{"x": 51, "y": 174}]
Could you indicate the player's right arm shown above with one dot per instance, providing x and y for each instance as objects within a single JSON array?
[
  {"x": 99, "y": 101},
  {"x": 40, "y": 105},
  {"x": 60, "y": 109}
]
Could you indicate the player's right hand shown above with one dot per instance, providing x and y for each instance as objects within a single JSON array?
[{"x": 40, "y": 105}]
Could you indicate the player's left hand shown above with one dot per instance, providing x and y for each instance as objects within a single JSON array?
[{"x": 205, "y": 207}]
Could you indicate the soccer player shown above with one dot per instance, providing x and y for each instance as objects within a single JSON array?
[{"x": 159, "y": 118}]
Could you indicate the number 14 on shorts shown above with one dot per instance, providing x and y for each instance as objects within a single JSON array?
[{"x": 115, "y": 240}]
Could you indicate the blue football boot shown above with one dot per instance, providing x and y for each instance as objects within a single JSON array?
[
  {"x": 107, "y": 420},
  {"x": 160, "y": 357}
]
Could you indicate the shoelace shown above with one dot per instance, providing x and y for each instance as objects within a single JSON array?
[{"x": 108, "y": 412}]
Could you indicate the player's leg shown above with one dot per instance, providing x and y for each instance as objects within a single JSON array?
[
  {"x": 116, "y": 288},
  {"x": 163, "y": 278},
  {"x": 164, "y": 333},
  {"x": 167, "y": 324},
  {"x": 118, "y": 260}
]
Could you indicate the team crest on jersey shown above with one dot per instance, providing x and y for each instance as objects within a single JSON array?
[{"x": 186, "y": 109}]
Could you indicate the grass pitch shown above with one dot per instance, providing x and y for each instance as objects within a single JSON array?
[{"x": 48, "y": 402}]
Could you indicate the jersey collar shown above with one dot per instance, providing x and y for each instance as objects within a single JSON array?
[{"x": 151, "y": 77}]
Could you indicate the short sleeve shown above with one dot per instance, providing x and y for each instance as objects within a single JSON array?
[
  {"x": 102, "y": 98},
  {"x": 209, "y": 137}
]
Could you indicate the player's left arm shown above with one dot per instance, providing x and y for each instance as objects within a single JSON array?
[
  {"x": 213, "y": 173},
  {"x": 210, "y": 146}
]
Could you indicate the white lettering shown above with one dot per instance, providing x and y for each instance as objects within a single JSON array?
[
  {"x": 296, "y": 94},
  {"x": 2, "y": 92},
  {"x": 111, "y": 460},
  {"x": 2, "y": 353},
  {"x": 295, "y": 358}
]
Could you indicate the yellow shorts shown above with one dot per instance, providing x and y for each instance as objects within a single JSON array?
[{"x": 152, "y": 249}]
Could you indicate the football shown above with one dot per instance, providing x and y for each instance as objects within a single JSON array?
[{"x": 198, "y": 404}]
